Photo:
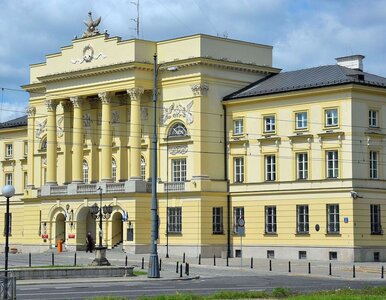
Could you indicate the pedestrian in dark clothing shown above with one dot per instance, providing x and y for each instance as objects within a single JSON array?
[{"x": 89, "y": 242}]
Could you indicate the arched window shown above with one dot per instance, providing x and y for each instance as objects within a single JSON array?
[
  {"x": 114, "y": 170},
  {"x": 85, "y": 171},
  {"x": 178, "y": 130},
  {"x": 43, "y": 145},
  {"x": 143, "y": 168}
]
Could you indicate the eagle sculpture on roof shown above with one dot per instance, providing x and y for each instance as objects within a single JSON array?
[{"x": 91, "y": 26}]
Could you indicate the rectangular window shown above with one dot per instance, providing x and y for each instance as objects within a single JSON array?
[
  {"x": 8, "y": 178},
  {"x": 331, "y": 117},
  {"x": 25, "y": 180},
  {"x": 375, "y": 219},
  {"x": 301, "y": 120},
  {"x": 217, "y": 220},
  {"x": 374, "y": 164},
  {"x": 175, "y": 219},
  {"x": 270, "y": 167},
  {"x": 270, "y": 219},
  {"x": 9, "y": 224},
  {"x": 25, "y": 148},
  {"x": 238, "y": 213},
  {"x": 333, "y": 225},
  {"x": 179, "y": 170},
  {"x": 238, "y": 169},
  {"x": 332, "y": 164},
  {"x": 302, "y": 165},
  {"x": 8, "y": 150},
  {"x": 302, "y": 219},
  {"x": 269, "y": 123},
  {"x": 270, "y": 254},
  {"x": 373, "y": 118},
  {"x": 238, "y": 126},
  {"x": 302, "y": 254}
]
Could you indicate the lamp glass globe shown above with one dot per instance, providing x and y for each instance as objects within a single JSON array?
[{"x": 8, "y": 191}]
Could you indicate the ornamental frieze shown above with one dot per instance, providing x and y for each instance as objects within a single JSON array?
[
  {"x": 177, "y": 111},
  {"x": 87, "y": 120},
  {"x": 179, "y": 149}
]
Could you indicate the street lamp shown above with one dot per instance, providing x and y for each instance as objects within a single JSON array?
[
  {"x": 96, "y": 212},
  {"x": 8, "y": 191}
]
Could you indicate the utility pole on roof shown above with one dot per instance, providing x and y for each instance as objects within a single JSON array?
[{"x": 136, "y": 20}]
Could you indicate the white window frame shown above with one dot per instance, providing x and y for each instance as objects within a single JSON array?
[
  {"x": 238, "y": 164},
  {"x": 302, "y": 219},
  {"x": 270, "y": 167},
  {"x": 217, "y": 220},
  {"x": 143, "y": 168},
  {"x": 375, "y": 219},
  {"x": 332, "y": 164},
  {"x": 373, "y": 118},
  {"x": 333, "y": 223},
  {"x": 269, "y": 123},
  {"x": 331, "y": 117},
  {"x": 302, "y": 165},
  {"x": 8, "y": 150},
  {"x": 114, "y": 170},
  {"x": 175, "y": 219},
  {"x": 270, "y": 220},
  {"x": 238, "y": 126},
  {"x": 8, "y": 178},
  {"x": 179, "y": 170},
  {"x": 301, "y": 120},
  {"x": 374, "y": 164},
  {"x": 85, "y": 171},
  {"x": 238, "y": 213}
]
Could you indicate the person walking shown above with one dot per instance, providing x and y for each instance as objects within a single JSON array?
[{"x": 89, "y": 242}]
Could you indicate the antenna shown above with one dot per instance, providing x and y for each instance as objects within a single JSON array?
[{"x": 136, "y": 20}]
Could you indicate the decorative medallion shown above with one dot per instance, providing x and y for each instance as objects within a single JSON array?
[
  {"x": 40, "y": 128},
  {"x": 144, "y": 113},
  {"x": 87, "y": 120},
  {"x": 88, "y": 55},
  {"x": 115, "y": 117}
]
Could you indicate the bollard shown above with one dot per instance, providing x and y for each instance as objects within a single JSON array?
[
  {"x": 289, "y": 267},
  {"x": 353, "y": 271},
  {"x": 227, "y": 261},
  {"x": 143, "y": 263},
  {"x": 382, "y": 272},
  {"x": 52, "y": 259},
  {"x": 177, "y": 268},
  {"x": 251, "y": 262},
  {"x": 187, "y": 269},
  {"x": 330, "y": 270},
  {"x": 180, "y": 270},
  {"x": 160, "y": 264},
  {"x": 214, "y": 259},
  {"x": 183, "y": 258},
  {"x": 270, "y": 265},
  {"x": 309, "y": 268},
  {"x": 30, "y": 260},
  {"x": 199, "y": 259},
  {"x": 126, "y": 261},
  {"x": 75, "y": 259}
]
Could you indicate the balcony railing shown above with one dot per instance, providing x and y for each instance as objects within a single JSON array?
[
  {"x": 115, "y": 187},
  {"x": 58, "y": 190},
  {"x": 174, "y": 186},
  {"x": 86, "y": 188}
]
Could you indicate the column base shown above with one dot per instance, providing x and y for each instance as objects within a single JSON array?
[
  {"x": 153, "y": 271},
  {"x": 136, "y": 178},
  {"x": 51, "y": 183},
  {"x": 100, "y": 257}
]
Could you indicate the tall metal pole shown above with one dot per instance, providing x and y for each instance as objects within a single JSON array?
[
  {"x": 153, "y": 271},
  {"x": 167, "y": 195},
  {"x": 6, "y": 250},
  {"x": 100, "y": 217}
]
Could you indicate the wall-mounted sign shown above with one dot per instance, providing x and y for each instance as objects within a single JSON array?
[{"x": 71, "y": 236}]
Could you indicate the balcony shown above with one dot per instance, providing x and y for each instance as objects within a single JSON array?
[{"x": 177, "y": 186}]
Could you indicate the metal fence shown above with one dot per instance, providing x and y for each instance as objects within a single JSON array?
[{"x": 7, "y": 288}]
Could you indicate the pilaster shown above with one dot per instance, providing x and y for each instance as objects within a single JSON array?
[{"x": 31, "y": 112}]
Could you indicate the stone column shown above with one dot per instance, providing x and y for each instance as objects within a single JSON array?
[
  {"x": 135, "y": 132},
  {"x": 77, "y": 143},
  {"x": 67, "y": 146},
  {"x": 106, "y": 137},
  {"x": 31, "y": 111},
  {"x": 51, "y": 142}
]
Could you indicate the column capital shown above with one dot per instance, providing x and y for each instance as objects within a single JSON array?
[
  {"x": 51, "y": 105},
  {"x": 66, "y": 106},
  {"x": 135, "y": 93},
  {"x": 31, "y": 111},
  {"x": 76, "y": 101},
  {"x": 105, "y": 97},
  {"x": 200, "y": 89}
]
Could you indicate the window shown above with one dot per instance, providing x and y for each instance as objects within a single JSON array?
[
  {"x": 238, "y": 213},
  {"x": 302, "y": 219},
  {"x": 331, "y": 117},
  {"x": 270, "y": 254},
  {"x": 270, "y": 167},
  {"x": 333, "y": 225},
  {"x": 43, "y": 145},
  {"x": 178, "y": 130},
  {"x": 143, "y": 168},
  {"x": 333, "y": 255},
  {"x": 374, "y": 164},
  {"x": 9, "y": 224},
  {"x": 44, "y": 176},
  {"x": 8, "y": 179},
  {"x": 302, "y": 254},
  {"x": 270, "y": 219},
  {"x": 238, "y": 169},
  {"x": 301, "y": 120},
  {"x": 302, "y": 165},
  {"x": 25, "y": 180},
  {"x": 8, "y": 150},
  {"x": 175, "y": 218},
  {"x": 114, "y": 170},
  {"x": 375, "y": 216},
  {"x": 217, "y": 220},
  {"x": 25, "y": 148},
  {"x": 179, "y": 170},
  {"x": 377, "y": 256},
  {"x": 373, "y": 118},
  {"x": 332, "y": 164},
  {"x": 269, "y": 123},
  {"x": 85, "y": 171},
  {"x": 238, "y": 126}
]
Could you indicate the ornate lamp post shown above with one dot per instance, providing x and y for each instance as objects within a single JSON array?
[
  {"x": 8, "y": 191},
  {"x": 99, "y": 212}
]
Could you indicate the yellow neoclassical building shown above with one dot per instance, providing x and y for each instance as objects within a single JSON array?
[{"x": 290, "y": 162}]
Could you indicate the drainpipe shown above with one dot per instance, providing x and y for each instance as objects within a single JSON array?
[{"x": 226, "y": 178}]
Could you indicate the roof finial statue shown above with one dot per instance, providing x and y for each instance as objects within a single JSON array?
[{"x": 91, "y": 26}]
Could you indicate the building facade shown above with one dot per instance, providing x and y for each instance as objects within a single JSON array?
[{"x": 297, "y": 156}]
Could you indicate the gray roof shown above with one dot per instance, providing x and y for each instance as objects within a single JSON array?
[
  {"x": 21, "y": 121},
  {"x": 307, "y": 79}
]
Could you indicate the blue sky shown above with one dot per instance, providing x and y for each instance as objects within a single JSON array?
[{"x": 304, "y": 33}]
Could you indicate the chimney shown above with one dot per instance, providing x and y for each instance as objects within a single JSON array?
[{"x": 353, "y": 62}]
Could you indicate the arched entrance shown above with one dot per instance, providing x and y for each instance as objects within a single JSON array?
[
  {"x": 85, "y": 224},
  {"x": 60, "y": 228},
  {"x": 117, "y": 229}
]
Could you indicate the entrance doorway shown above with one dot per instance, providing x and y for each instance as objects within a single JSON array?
[
  {"x": 85, "y": 224},
  {"x": 117, "y": 229},
  {"x": 60, "y": 228}
]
